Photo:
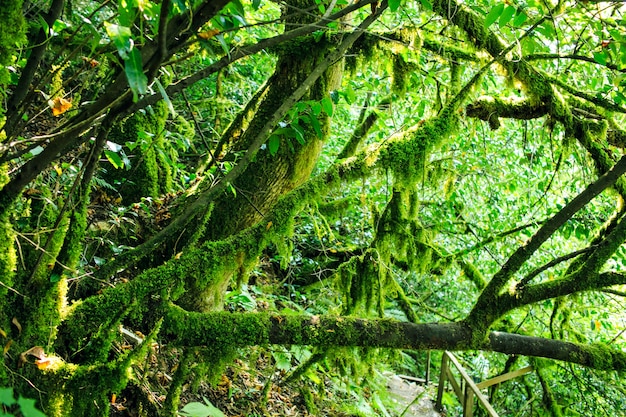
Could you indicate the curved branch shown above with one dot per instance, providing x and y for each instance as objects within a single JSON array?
[{"x": 485, "y": 311}]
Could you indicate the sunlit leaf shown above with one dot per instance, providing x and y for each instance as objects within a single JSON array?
[
  {"x": 506, "y": 16},
  {"x": 394, "y": 5},
  {"x": 114, "y": 159},
  {"x": 121, "y": 37},
  {"x": 494, "y": 14},
  {"x": 137, "y": 80},
  {"x": 327, "y": 105},
  {"x": 520, "y": 19},
  {"x": 197, "y": 409},
  {"x": 59, "y": 105},
  {"x": 208, "y": 34}
]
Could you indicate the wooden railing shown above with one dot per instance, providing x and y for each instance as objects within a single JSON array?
[{"x": 467, "y": 389}]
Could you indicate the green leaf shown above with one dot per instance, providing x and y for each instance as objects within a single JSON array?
[
  {"x": 600, "y": 57},
  {"x": 506, "y": 16},
  {"x": 520, "y": 18},
  {"x": 126, "y": 10},
  {"x": 327, "y": 105},
  {"x": 28, "y": 409},
  {"x": 273, "y": 143},
  {"x": 316, "y": 126},
  {"x": 166, "y": 98},
  {"x": 299, "y": 132},
  {"x": 137, "y": 80},
  {"x": 197, "y": 409},
  {"x": 427, "y": 5},
  {"x": 6, "y": 396},
  {"x": 394, "y": 5},
  {"x": 494, "y": 14},
  {"x": 256, "y": 4},
  {"x": 121, "y": 37},
  {"x": 114, "y": 159},
  {"x": 316, "y": 108},
  {"x": 56, "y": 277},
  {"x": 283, "y": 360}
]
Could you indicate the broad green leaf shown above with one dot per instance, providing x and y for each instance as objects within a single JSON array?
[
  {"x": 327, "y": 105},
  {"x": 600, "y": 57},
  {"x": 114, "y": 159},
  {"x": 506, "y": 16},
  {"x": 256, "y": 4},
  {"x": 121, "y": 37},
  {"x": 520, "y": 18},
  {"x": 494, "y": 14},
  {"x": 137, "y": 80},
  {"x": 27, "y": 407},
  {"x": 394, "y": 5},
  {"x": 273, "y": 143},
  {"x": 126, "y": 10},
  {"x": 427, "y": 4},
  {"x": 316, "y": 108},
  {"x": 283, "y": 360},
  {"x": 6, "y": 396},
  {"x": 197, "y": 409}
]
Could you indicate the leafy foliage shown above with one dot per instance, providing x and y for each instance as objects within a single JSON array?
[{"x": 281, "y": 174}]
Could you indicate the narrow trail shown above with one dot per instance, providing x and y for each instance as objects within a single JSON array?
[{"x": 411, "y": 395}]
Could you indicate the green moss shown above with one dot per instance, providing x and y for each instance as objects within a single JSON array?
[
  {"x": 149, "y": 173},
  {"x": 12, "y": 34}
]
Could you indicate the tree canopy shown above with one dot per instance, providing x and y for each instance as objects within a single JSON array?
[{"x": 208, "y": 176}]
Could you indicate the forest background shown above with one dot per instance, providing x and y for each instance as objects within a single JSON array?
[{"x": 310, "y": 191}]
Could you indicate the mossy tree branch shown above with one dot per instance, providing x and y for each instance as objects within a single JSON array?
[
  {"x": 248, "y": 329},
  {"x": 485, "y": 311}
]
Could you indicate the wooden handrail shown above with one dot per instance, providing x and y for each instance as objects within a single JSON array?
[{"x": 467, "y": 388}]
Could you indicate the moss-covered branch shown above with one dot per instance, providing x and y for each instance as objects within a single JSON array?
[
  {"x": 485, "y": 311},
  {"x": 247, "y": 329},
  {"x": 490, "y": 109}
]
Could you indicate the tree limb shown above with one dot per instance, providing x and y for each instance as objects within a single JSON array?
[{"x": 249, "y": 329}]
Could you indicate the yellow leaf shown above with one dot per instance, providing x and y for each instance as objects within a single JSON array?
[
  {"x": 17, "y": 324},
  {"x": 3, "y": 333},
  {"x": 208, "y": 34},
  {"x": 59, "y": 105},
  {"x": 58, "y": 170},
  {"x": 6, "y": 347}
]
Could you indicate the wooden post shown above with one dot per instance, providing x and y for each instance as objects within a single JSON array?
[
  {"x": 427, "y": 376},
  {"x": 442, "y": 380},
  {"x": 468, "y": 402}
]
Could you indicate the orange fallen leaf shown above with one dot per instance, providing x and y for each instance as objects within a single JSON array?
[
  {"x": 208, "y": 34},
  {"x": 59, "y": 105}
]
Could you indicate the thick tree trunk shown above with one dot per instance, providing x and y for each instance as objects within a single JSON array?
[{"x": 271, "y": 176}]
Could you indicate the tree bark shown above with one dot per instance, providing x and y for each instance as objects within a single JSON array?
[{"x": 248, "y": 329}]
